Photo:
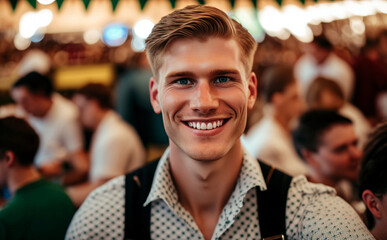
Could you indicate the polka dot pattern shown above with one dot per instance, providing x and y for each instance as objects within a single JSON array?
[
  {"x": 313, "y": 211},
  {"x": 101, "y": 216}
]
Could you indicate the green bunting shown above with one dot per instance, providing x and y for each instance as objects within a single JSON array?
[
  {"x": 59, "y": 3},
  {"x": 32, "y": 3},
  {"x": 114, "y": 4},
  {"x": 142, "y": 4},
  {"x": 255, "y": 3},
  {"x": 173, "y": 3},
  {"x": 279, "y": 2},
  {"x": 232, "y": 2},
  {"x": 86, "y": 3},
  {"x": 13, "y": 4}
]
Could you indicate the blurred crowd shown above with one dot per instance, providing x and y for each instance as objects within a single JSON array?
[{"x": 314, "y": 117}]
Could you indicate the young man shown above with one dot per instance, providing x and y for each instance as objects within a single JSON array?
[
  {"x": 329, "y": 145},
  {"x": 115, "y": 148},
  {"x": 38, "y": 209},
  {"x": 270, "y": 139},
  {"x": 55, "y": 119},
  {"x": 373, "y": 181},
  {"x": 205, "y": 185}
]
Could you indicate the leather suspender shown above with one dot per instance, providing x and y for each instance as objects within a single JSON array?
[{"x": 271, "y": 203}]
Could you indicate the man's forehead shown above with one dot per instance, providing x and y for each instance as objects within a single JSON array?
[{"x": 335, "y": 131}]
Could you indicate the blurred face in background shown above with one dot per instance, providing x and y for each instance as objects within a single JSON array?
[
  {"x": 328, "y": 100},
  {"x": 338, "y": 156},
  {"x": 88, "y": 110},
  {"x": 30, "y": 102},
  {"x": 289, "y": 102}
]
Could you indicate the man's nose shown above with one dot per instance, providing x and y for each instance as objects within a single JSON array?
[
  {"x": 355, "y": 152},
  {"x": 204, "y": 98}
]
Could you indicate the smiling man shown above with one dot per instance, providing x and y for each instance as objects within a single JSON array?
[{"x": 205, "y": 186}]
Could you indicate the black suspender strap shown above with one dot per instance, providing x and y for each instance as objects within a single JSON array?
[
  {"x": 272, "y": 203},
  {"x": 137, "y": 217}
]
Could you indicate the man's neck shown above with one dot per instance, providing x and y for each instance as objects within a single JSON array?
[
  {"x": 22, "y": 176},
  {"x": 46, "y": 106},
  {"x": 99, "y": 118},
  {"x": 315, "y": 177},
  {"x": 204, "y": 187},
  {"x": 282, "y": 120}
]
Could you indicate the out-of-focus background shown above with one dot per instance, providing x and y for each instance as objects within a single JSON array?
[{"x": 96, "y": 39}]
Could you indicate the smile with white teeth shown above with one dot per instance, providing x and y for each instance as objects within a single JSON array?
[{"x": 206, "y": 125}]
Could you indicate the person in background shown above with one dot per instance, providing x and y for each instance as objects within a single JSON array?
[
  {"x": 320, "y": 60},
  {"x": 327, "y": 142},
  {"x": 270, "y": 139},
  {"x": 115, "y": 148},
  {"x": 134, "y": 106},
  {"x": 370, "y": 68},
  {"x": 373, "y": 181},
  {"x": 206, "y": 186},
  {"x": 39, "y": 209},
  {"x": 55, "y": 119},
  {"x": 324, "y": 93}
]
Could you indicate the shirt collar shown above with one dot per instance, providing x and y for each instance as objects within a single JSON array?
[{"x": 163, "y": 187}]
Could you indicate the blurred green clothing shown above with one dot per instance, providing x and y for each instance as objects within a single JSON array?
[
  {"x": 40, "y": 210},
  {"x": 134, "y": 106}
]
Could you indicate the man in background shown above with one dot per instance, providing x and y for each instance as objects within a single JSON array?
[
  {"x": 115, "y": 148},
  {"x": 39, "y": 209},
  {"x": 327, "y": 142},
  {"x": 270, "y": 139},
  {"x": 321, "y": 61},
  {"x": 373, "y": 181},
  {"x": 54, "y": 118}
]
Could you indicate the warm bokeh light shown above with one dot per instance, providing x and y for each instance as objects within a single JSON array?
[
  {"x": 46, "y": 2},
  {"x": 30, "y": 22},
  {"x": 21, "y": 43},
  {"x": 91, "y": 36},
  {"x": 143, "y": 28},
  {"x": 271, "y": 20}
]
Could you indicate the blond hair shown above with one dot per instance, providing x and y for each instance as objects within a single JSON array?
[{"x": 197, "y": 22}]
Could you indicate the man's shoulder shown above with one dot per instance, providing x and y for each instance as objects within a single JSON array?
[
  {"x": 114, "y": 186},
  {"x": 102, "y": 213},
  {"x": 314, "y": 211},
  {"x": 302, "y": 186}
]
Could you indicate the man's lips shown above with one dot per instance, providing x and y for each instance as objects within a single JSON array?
[{"x": 206, "y": 124}]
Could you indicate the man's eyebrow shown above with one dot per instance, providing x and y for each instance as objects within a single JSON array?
[
  {"x": 224, "y": 72},
  {"x": 180, "y": 74},
  {"x": 212, "y": 73}
]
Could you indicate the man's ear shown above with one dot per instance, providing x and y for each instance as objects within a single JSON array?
[
  {"x": 9, "y": 158},
  {"x": 372, "y": 202},
  {"x": 309, "y": 158},
  {"x": 154, "y": 95},
  {"x": 252, "y": 90}
]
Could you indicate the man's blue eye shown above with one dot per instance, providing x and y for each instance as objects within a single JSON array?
[
  {"x": 222, "y": 79},
  {"x": 183, "y": 81}
]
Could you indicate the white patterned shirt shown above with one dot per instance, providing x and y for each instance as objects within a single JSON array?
[{"x": 313, "y": 211}]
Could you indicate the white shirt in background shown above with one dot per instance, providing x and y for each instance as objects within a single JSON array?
[
  {"x": 306, "y": 70},
  {"x": 268, "y": 141},
  {"x": 116, "y": 148},
  {"x": 59, "y": 131}
]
